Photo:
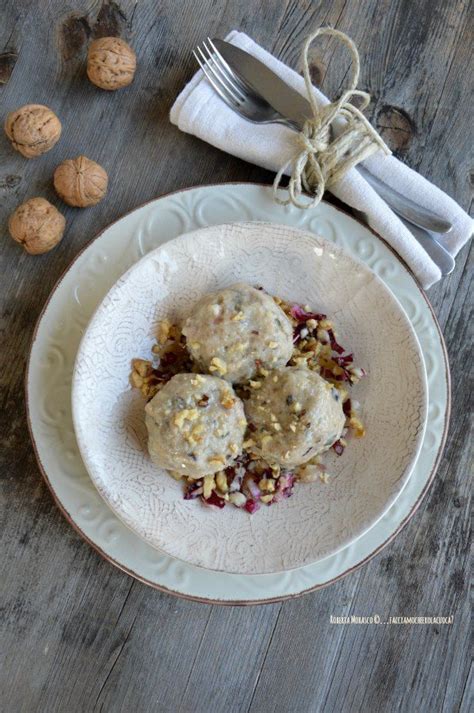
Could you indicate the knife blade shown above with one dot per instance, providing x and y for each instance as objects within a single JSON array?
[
  {"x": 433, "y": 247},
  {"x": 404, "y": 207},
  {"x": 284, "y": 99}
]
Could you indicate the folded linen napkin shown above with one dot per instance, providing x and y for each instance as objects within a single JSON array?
[{"x": 199, "y": 110}]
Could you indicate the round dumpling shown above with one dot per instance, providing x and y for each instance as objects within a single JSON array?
[
  {"x": 234, "y": 332},
  {"x": 294, "y": 416},
  {"x": 196, "y": 425}
]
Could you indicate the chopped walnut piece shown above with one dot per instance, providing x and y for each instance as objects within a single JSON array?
[
  {"x": 142, "y": 367},
  {"x": 163, "y": 331},
  {"x": 136, "y": 380},
  {"x": 227, "y": 400},
  {"x": 174, "y": 474},
  {"x": 186, "y": 414},
  {"x": 209, "y": 484},
  {"x": 238, "y": 499},
  {"x": 221, "y": 481},
  {"x": 216, "y": 460},
  {"x": 308, "y": 473},
  {"x": 357, "y": 426},
  {"x": 218, "y": 365},
  {"x": 267, "y": 484}
]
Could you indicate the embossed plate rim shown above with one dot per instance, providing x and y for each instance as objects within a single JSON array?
[{"x": 256, "y": 589}]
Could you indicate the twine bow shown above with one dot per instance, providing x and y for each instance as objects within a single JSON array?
[{"x": 326, "y": 155}]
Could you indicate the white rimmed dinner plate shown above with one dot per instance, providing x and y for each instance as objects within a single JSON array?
[{"x": 54, "y": 348}]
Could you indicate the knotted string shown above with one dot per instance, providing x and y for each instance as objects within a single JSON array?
[{"x": 325, "y": 157}]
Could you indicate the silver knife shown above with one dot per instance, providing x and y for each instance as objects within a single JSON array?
[{"x": 292, "y": 106}]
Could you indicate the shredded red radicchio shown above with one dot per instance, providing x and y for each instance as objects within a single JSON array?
[
  {"x": 193, "y": 490},
  {"x": 285, "y": 487},
  {"x": 335, "y": 346},
  {"x": 298, "y": 313},
  {"x": 297, "y": 332},
  {"x": 241, "y": 479},
  {"x": 344, "y": 360},
  {"x": 251, "y": 506},
  {"x": 214, "y": 499},
  {"x": 328, "y": 374}
]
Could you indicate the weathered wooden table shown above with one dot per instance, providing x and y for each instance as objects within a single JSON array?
[{"x": 79, "y": 635}]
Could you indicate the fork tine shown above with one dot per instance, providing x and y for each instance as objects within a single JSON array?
[
  {"x": 214, "y": 69},
  {"x": 217, "y": 85},
  {"x": 244, "y": 87},
  {"x": 224, "y": 70}
]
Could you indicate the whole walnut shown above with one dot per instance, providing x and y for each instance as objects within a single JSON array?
[
  {"x": 33, "y": 129},
  {"x": 37, "y": 225},
  {"x": 80, "y": 182},
  {"x": 111, "y": 63}
]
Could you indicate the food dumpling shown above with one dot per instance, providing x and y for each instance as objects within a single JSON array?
[
  {"x": 196, "y": 425},
  {"x": 295, "y": 415},
  {"x": 234, "y": 332}
]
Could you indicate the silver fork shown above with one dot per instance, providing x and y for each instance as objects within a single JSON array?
[
  {"x": 234, "y": 90},
  {"x": 242, "y": 98}
]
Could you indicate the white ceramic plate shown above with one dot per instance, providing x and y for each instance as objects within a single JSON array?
[
  {"x": 54, "y": 348},
  {"x": 319, "y": 519}
]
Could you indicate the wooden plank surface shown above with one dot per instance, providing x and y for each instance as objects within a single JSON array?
[{"x": 77, "y": 634}]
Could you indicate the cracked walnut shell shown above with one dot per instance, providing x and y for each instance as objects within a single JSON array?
[
  {"x": 33, "y": 129},
  {"x": 80, "y": 182},
  {"x": 37, "y": 225},
  {"x": 111, "y": 63}
]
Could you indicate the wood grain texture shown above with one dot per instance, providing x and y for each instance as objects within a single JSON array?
[{"x": 78, "y": 635}]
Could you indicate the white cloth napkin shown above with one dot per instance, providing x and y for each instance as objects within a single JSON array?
[{"x": 199, "y": 110}]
